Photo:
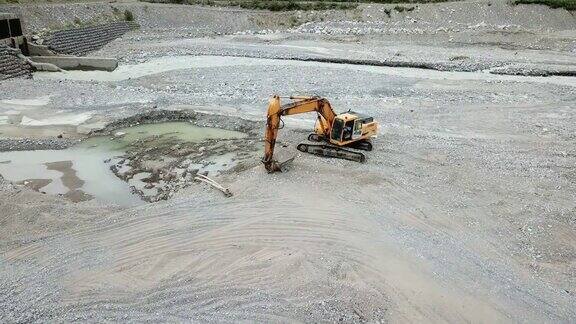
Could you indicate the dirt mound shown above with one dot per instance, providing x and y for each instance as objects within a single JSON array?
[{"x": 194, "y": 117}]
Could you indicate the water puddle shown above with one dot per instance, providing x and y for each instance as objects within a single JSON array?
[
  {"x": 183, "y": 131},
  {"x": 78, "y": 173},
  {"x": 83, "y": 172}
]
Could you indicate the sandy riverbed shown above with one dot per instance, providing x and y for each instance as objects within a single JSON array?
[{"x": 463, "y": 212}]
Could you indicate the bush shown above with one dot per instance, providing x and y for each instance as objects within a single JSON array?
[
  {"x": 402, "y": 8},
  {"x": 390, "y": 1},
  {"x": 272, "y": 5},
  {"x": 566, "y": 4},
  {"x": 128, "y": 15},
  {"x": 293, "y": 21}
]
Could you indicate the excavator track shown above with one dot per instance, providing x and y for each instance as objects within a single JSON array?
[
  {"x": 331, "y": 151},
  {"x": 363, "y": 145}
]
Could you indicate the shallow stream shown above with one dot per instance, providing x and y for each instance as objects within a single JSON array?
[{"x": 174, "y": 63}]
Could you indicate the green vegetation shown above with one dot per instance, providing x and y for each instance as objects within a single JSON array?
[
  {"x": 396, "y": 1},
  {"x": 402, "y": 8},
  {"x": 128, "y": 15},
  {"x": 117, "y": 15},
  {"x": 566, "y": 4},
  {"x": 276, "y": 5},
  {"x": 293, "y": 21},
  {"x": 290, "y": 5},
  {"x": 272, "y": 5},
  {"x": 203, "y": 2},
  {"x": 224, "y": 2}
]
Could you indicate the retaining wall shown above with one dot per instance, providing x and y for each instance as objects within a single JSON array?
[
  {"x": 80, "y": 41},
  {"x": 12, "y": 66}
]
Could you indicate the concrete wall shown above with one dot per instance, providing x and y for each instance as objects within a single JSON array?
[
  {"x": 11, "y": 32},
  {"x": 78, "y": 63}
]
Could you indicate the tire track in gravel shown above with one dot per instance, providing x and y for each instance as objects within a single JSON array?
[
  {"x": 254, "y": 249},
  {"x": 308, "y": 249}
]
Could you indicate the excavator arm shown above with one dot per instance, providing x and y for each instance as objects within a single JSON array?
[{"x": 301, "y": 105}]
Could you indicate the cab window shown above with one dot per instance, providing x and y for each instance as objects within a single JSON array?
[
  {"x": 357, "y": 128},
  {"x": 337, "y": 129},
  {"x": 348, "y": 129}
]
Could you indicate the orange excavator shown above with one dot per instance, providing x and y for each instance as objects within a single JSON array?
[{"x": 338, "y": 131}]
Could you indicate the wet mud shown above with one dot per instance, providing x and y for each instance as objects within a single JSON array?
[
  {"x": 154, "y": 154},
  {"x": 160, "y": 165}
]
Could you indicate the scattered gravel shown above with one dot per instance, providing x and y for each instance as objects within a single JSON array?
[
  {"x": 28, "y": 144},
  {"x": 197, "y": 118}
]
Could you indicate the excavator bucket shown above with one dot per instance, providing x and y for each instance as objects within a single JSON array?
[
  {"x": 279, "y": 166},
  {"x": 276, "y": 166},
  {"x": 281, "y": 161}
]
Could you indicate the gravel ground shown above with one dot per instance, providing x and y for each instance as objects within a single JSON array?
[
  {"x": 464, "y": 211},
  {"x": 27, "y": 144}
]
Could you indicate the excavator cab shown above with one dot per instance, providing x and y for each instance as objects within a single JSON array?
[{"x": 347, "y": 128}]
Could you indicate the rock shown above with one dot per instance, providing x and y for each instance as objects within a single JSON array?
[{"x": 89, "y": 128}]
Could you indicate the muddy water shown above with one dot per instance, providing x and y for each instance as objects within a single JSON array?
[
  {"x": 67, "y": 171},
  {"x": 82, "y": 173},
  {"x": 180, "y": 130}
]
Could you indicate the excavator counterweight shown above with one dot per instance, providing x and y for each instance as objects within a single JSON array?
[{"x": 339, "y": 132}]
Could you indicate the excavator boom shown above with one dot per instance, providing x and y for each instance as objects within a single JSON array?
[{"x": 276, "y": 111}]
